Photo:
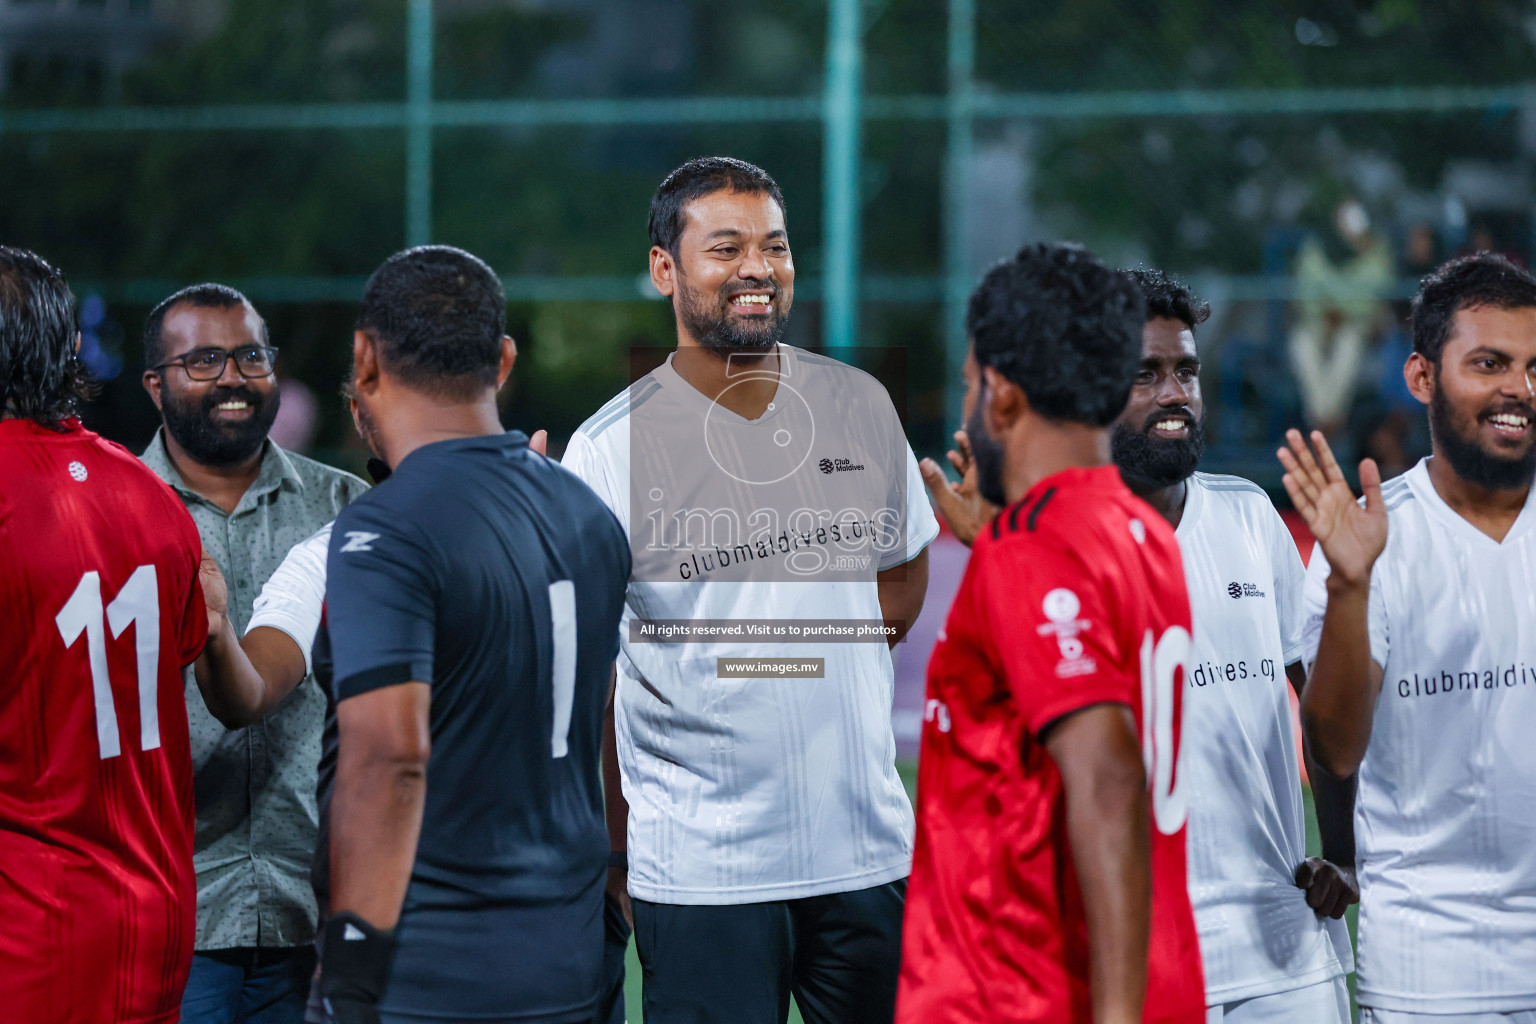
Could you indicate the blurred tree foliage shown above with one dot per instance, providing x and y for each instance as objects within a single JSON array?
[
  {"x": 1190, "y": 193},
  {"x": 1057, "y": 45},
  {"x": 1205, "y": 193}
]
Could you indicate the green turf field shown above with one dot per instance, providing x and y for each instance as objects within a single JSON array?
[{"x": 908, "y": 771}]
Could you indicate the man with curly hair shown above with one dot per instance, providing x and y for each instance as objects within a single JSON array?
[
  {"x": 1049, "y": 877},
  {"x": 1272, "y": 943}
]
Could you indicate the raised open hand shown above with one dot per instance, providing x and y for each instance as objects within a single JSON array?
[
  {"x": 1351, "y": 537},
  {"x": 959, "y": 504}
]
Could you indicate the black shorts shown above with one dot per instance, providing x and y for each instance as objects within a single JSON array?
[
  {"x": 515, "y": 963},
  {"x": 838, "y": 955},
  {"x": 608, "y": 1000}
]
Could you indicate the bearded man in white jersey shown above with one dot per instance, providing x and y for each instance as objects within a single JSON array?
[
  {"x": 1421, "y": 634},
  {"x": 769, "y": 495},
  {"x": 1272, "y": 951},
  {"x": 1271, "y": 940}
]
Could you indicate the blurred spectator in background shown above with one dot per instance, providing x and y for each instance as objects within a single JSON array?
[
  {"x": 298, "y": 416},
  {"x": 1339, "y": 306},
  {"x": 1388, "y": 425},
  {"x": 210, "y": 372},
  {"x": 1421, "y": 254},
  {"x": 1484, "y": 235}
]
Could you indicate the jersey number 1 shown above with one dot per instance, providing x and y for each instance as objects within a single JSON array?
[
  {"x": 562, "y": 672},
  {"x": 1159, "y": 750},
  {"x": 139, "y": 602}
]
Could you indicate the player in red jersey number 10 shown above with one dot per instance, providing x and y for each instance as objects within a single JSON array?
[{"x": 1048, "y": 882}]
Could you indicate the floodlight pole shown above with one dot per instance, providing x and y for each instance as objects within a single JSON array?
[
  {"x": 841, "y": 120},
  {"x": 418, "y": 131},
  {"x": 960, "y": 124}
]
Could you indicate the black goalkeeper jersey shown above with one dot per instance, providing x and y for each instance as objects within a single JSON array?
[{"x": 490, "y": 573}]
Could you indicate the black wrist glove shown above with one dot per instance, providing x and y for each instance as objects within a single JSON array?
[{"x": 355, "y": 958}]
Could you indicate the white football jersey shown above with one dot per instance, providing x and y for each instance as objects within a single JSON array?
[
  {"x": 748, "y": 788},
  {"x": 293, "y": 598},
  {"x": 1445, "y": 821},
  {"x": 1246, "y": 830}
]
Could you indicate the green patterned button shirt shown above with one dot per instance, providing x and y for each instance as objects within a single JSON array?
[{"x": 255, "y": 787}]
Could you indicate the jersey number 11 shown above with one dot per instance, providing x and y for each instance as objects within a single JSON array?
[{"x": 137, "y": 602}]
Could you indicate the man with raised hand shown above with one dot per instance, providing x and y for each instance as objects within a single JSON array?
[
  {"x": 471, "y": 621},
  {"x": 1049, "y": 879},
  {"x": 763, "y": 488},
  {"x": 1421, "y": 634}
]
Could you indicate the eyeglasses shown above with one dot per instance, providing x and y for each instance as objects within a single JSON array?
[{"x": 208, "y": 363}]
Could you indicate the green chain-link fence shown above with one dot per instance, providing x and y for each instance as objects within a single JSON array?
[{"x": 287, "y": 146}]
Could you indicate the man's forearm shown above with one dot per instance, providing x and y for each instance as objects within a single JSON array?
[
  {"x": 902, "y": 589},
  {"x": 1338, "y": 703},
  {"x": 376, "y": 812},
  {"x": 232, "y": 688},
  {"x": 1334, "y": 799},
  {"x": 1109, "y": 830},
  {"x": 376, "y": 819},
  {"x": 616, "y": 807},
  {"x": 1110, "y": 836},
  {"x": 242, "y": 680}
]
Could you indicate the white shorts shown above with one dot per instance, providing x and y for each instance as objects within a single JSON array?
[
  {"x": 1326, "y": 1002},
  {"x": 1370, "y": 1015}
]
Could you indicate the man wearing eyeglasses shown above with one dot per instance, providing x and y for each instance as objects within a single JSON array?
[{"x": 210, "y": 371}]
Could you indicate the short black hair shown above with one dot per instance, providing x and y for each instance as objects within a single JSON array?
[
  {"x": 1063, "y": 327},
  {"x": 1168, "y": 298},
  {"x": 1482, "y": 280},
  {"x": 199, "y": 296},
  {"x": 699, "y": 177},
  {"x": 41, "y": 376},
  {"x": 438, "y": 315}
]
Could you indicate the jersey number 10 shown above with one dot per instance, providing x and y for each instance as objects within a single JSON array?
[
  {"x": 137, "y": 602},
  {"x": 1159, "y": 749}
]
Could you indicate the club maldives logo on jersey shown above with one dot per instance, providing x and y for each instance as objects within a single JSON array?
[
  {"x": 1445, "y": 683},
  {"x": 1238, "y": 590},
  {"x": 1061, "y": 607},
  {"x": 830, "y": 466}
]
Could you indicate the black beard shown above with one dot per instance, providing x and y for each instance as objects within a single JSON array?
[
  {"x": 716, "y": 331},
  {"x": 214, "y": 444},
  {"x": 1151, "y": 463},
  {"x": 1470, "y": 460},
  {"x": 989, "y": 460}
]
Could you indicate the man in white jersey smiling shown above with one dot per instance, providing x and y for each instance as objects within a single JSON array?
[
  {"x": 763, "y": 488},
  {"x": 1421, "y": 632},
  {"x": 1272, "y": 952}
]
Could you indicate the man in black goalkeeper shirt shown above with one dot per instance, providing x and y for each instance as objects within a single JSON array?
[{"x": 472, "y": 608}]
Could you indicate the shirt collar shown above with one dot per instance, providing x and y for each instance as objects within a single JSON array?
[{"x": 277, "y": 469}]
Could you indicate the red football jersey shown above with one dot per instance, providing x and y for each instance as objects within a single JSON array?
[
  {"x": 1074, "y": 596},
  {"x": 100, "y": 608}
]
